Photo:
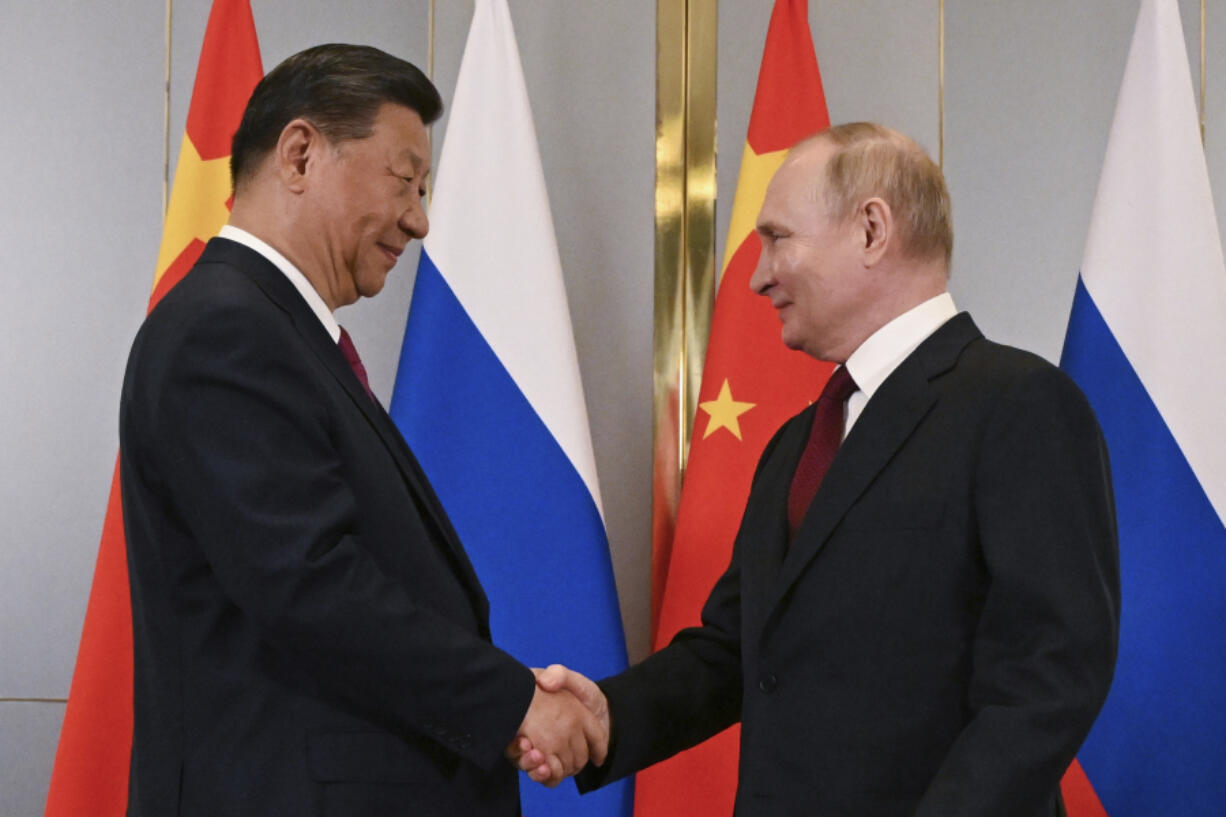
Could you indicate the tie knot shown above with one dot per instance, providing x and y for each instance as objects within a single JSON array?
[{"x": 840, "y": 386}]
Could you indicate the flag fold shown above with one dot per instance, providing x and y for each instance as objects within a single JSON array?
[
  {"x": 1145, "y": 339},
  {"x": 488, "y": 391}
]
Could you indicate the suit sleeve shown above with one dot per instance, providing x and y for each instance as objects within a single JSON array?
[
  {"x": 1045, "y": 647},
  {"x": 686, "y": 692},
  {"x": 679, "y": 696},
  {"x": 245, "y": 450}
]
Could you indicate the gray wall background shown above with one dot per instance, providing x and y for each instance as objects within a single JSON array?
[{"x": 1030, "y": 91}]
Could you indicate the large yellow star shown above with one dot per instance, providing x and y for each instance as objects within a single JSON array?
[
  {"x": 724, "y": 412},
  {"x": 197, "y": 203}
]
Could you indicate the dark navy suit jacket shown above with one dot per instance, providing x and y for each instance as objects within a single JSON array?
[
  {"x": 940, "y": 635},
  {"x": 310, "y": 638}
]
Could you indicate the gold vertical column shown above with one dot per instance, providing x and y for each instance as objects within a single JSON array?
[
  {"x": 686, "y": 37},
  {"x": 941, "y": 83}
]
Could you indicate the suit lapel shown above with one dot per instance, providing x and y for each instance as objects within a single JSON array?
[
  {"x": 889, "y": 419},
  {"x": 277, "y": 287},
  {"x": 763, "y": 538}
]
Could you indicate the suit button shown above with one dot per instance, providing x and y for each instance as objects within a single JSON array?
[{"x": 767, "y": 682}]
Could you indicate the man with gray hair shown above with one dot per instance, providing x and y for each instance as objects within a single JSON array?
[{"x": 921, "y": 612}]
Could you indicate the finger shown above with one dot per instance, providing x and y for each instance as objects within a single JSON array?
[
  {"x": 558, "y": 677},
  {"x": 532, "y": 760},
  {"x": 541, "y": 774},
  {"x": 596, "y": 736},
  {"x": 577, "y": 740},
  {"x": 566, "y": 757},
  {"x": 552, "y": 678},
  {"x": 585, "y": 690},
  {"x": 598, "y": 743}
]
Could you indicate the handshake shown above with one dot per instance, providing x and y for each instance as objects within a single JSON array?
[{"x": 566, "y": 726}]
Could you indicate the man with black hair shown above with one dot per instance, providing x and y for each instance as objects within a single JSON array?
[{"x": 310, "y": 637}]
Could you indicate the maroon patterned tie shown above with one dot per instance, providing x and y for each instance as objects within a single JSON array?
[
  {"x": 351, "y": 356},
  {"x": 824, "y": 439}
]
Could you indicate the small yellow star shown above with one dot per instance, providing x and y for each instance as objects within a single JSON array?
[{"x": 724, "y": 412}]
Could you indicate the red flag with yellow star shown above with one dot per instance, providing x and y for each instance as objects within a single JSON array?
[
  {"x": 91, "y": 765},
  {"x": 751, "y": 384}
]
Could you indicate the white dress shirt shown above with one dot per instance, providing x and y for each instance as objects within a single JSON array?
[
  {"x": 291, "y": 272},
  {"x": 889, "y": 346}
]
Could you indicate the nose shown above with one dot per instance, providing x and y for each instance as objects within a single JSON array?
[
  {"x": 414, "y": 220},
  {"x": 762, "y": 279}
]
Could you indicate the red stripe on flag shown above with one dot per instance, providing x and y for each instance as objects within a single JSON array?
[
  {"x": 790, "y": 102},
  {"x": 90, "y": 776},
  {"x": 91, "y": 764},
  {"x": 701, "y": 781},
  {"x": 228, "y": 70},
  {"x": 1080, "y": 799}
]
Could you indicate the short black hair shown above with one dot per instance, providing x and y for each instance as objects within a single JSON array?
[{"x": 337, "y": 88}]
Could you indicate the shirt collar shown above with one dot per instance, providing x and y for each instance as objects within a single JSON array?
[
  {"x": 890, "y": 345},
  {"x": 295, "y": 276}
]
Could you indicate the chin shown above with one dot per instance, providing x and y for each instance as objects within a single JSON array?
[
  {"x": 791, "y": 339},
  {"x": 372, "y": 286}
]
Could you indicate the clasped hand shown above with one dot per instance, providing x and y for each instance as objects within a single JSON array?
[{"x": 566, "y": 726}]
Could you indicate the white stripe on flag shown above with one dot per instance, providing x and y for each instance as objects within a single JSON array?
[
  {"x": 1153, "y": 257},
  {"x": 492, "y": 232}
]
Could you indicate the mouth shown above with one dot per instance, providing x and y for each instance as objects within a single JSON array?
[{"x": 391, "y": 252}]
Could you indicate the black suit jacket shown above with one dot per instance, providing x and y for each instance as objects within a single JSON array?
[
  {"x": 310, "y": 638},
  {"x": 941, "y": 634}
]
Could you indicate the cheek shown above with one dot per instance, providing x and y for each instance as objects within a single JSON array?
[
  {"x": 365, "y": 231},
  {"x": 787, "y": 270},
  {"x": 802, "y": 282}
]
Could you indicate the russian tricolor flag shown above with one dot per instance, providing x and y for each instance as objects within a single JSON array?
[
  {"x": 489, "y": 397},
  {"x": 1147, "y": 343}
]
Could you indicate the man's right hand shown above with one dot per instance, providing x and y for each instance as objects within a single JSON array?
[
  {"x": 534, "y": 758},
  {"x": 566, "y": 725}
]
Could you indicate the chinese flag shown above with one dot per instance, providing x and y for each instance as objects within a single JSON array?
[
  {"x": 91, "y": 764},
  {"x": 751, "y": 384}
]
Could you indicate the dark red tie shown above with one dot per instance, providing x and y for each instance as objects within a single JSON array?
[
  {"x": 824, "y": 439},
  {"x": 351, "y": 356}
]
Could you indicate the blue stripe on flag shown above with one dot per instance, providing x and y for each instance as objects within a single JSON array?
[
  {"x": 1157, "y": 747},
  {"x": 525, "y": 516}
]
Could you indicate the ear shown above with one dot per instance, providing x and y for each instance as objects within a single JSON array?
[
  {"x": 296, "y": 152},
  {"x": 876, "y": 223}
]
